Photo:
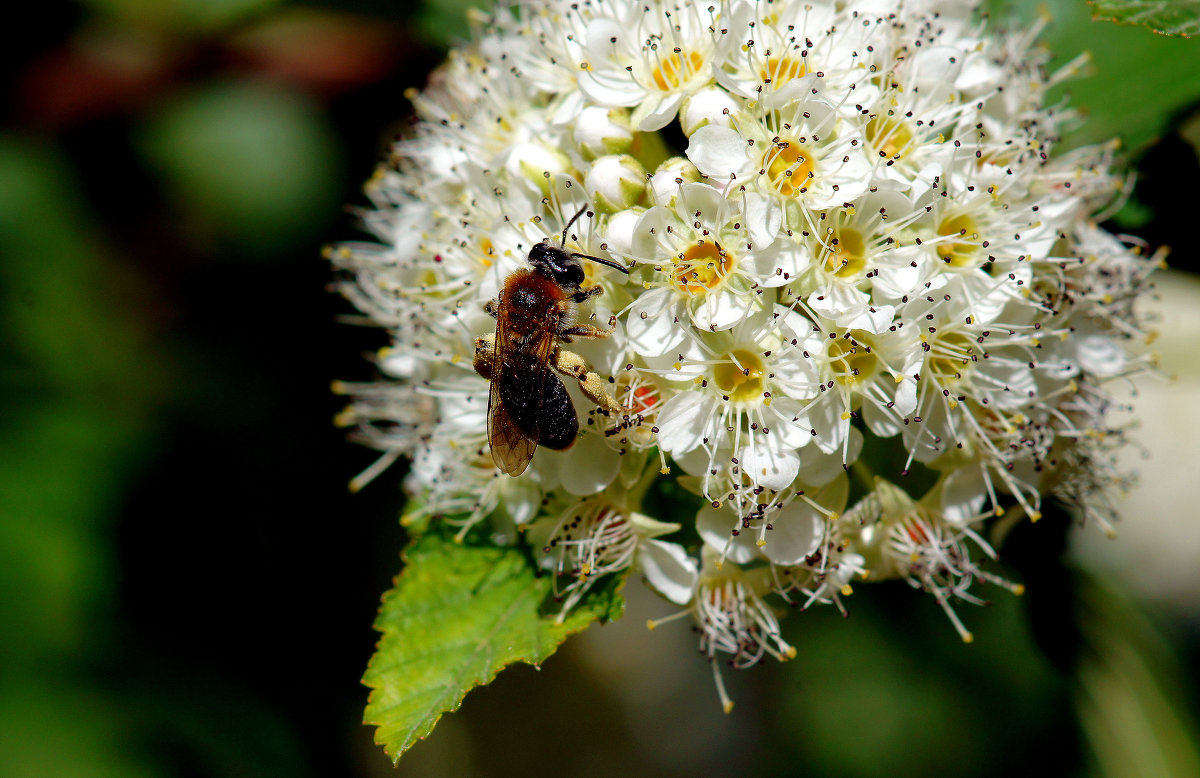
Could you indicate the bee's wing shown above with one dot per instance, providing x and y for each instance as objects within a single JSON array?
[
  {"x": 519, "y": 371},
  {"x": 511, "y": 448}
]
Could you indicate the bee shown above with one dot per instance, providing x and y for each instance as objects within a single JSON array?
[{"x": 528, "y": 405}]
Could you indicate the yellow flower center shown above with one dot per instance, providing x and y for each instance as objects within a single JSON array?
[
  {"x": 788, "y": 168},
  {"x": 780, "y": 70},
  {"x": 674, "y": 71},
  {"x": 702, "y": 267},
  {"x": 852, "y": 359},
  {"x": 958, "y": 253},
  {"x": 950, "y": 356},
  {"x": 740, "y": 375},
  {"x": 487, "y": 252},
  {"x": 889, "y": 136},
  {"x": 844, "y": 254}
]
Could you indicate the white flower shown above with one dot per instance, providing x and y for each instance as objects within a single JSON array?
[
  {"x": 735, "y": 407},
  {"x": 599, "y": 131},
  {"x": 852, "y": 248},
  {"x": 846, "y": 251},
  {"x": 782, "y": 527},
  {"x": 775, "y": 51},
  {"x": 649, "y": 57},
  {"x": 616, "y": 182},
  {"x": 712, "y": 259},
  {"x": 900, "y": 538},
  {"x": 802, "y": 155},
  {"x": 595, "y": 537},
  {"x": 732, "y": 617}
]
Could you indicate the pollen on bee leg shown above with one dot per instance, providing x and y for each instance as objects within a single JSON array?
[
  {"x": 591, "y": 384},
  {"x": 485, "y": 353},
  {"x": 585, "y": 330},
  {"x": 570, "y": 363},
  {"x": 593, "y": 387}
]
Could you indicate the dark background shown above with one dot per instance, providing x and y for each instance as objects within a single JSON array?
[{"x": 186, "y": 584}]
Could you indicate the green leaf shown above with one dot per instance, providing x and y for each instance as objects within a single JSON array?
[
  {"x": 1143, "y": 69},
  {"x": 457, "y": 616},
  {"x": 444, "y": 22},
  {"x": 1166, "y": 17}
]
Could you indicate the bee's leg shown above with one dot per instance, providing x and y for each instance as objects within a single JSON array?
[
  {"x": 591, "y": 384},
  {"x": 491, "y": 309},
  {"x": 584, "y": 294},
  {"x": 485, "y": 354},
  {"x": 582, "y": 331}
]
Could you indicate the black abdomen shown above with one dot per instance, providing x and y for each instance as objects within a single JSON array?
[{"x": 539, "y": 405}]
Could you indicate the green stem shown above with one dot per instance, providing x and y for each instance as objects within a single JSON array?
[
  {"x": 636, "y": 493},
  {"x": 862, "y": 473}
]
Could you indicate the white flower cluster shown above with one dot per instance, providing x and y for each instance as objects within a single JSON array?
[{"x": 852, "y": 257}]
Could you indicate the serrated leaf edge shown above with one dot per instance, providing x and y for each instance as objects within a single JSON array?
[{"x": 558, "y": 632}]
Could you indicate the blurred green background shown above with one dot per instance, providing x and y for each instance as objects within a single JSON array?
[{"x": 187, "y": 587}]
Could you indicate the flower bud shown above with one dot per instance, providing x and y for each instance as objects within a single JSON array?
[
  {"x": 616, "y": 183},
  {"x": 619, "y": 233},
  {"x": 533, "y": 161},
  {"x": 712, "y": 105},
  {"x": 665, "y": 183},
  {"x": 599, "y": 131}
]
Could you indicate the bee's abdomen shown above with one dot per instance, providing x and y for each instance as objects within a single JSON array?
[{"x": 557, "y": 425}]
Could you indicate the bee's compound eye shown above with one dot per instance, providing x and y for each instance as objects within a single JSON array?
[{"x": 572, "y": 275}]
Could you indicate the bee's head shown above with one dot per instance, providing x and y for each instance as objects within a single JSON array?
[
  {"x": 551, "y": 261},
  {"x": 564, "y": 266}
]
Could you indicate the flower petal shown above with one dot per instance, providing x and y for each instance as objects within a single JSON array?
[
  {"x": 719, "y": 152},
  {"x": 716, "y": 525},
  {"x": 770, "y": 468},
  {"x": 679, "y": 427},
  {"x": 1100, "y": 355},
  {"x": 651, "y": 325},
  {"x": 964, "y": 493},
  {"x": 590, "y": 467},
  {"x": 656, "y": 112},
  {"x": 795, "y": 533},
  {"x": 669, "y": 570}
]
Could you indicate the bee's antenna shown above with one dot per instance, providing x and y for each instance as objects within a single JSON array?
[
  {"x": 574, "y": 219},
  {"x": 610, "y": 263}
]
